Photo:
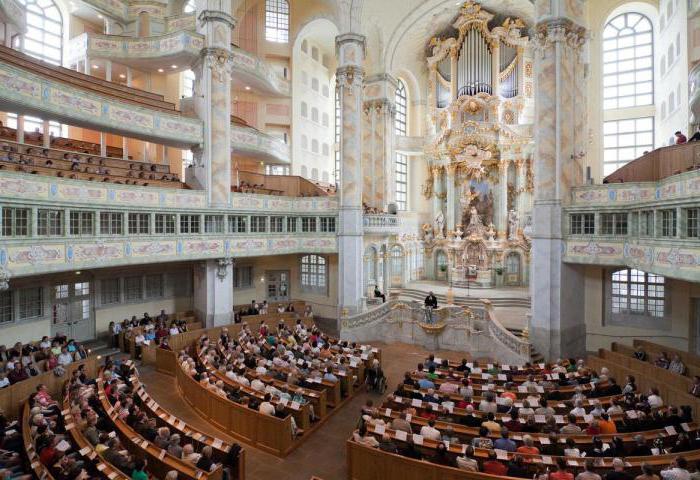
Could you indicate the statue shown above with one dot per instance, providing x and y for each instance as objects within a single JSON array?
[
  {"x": 459, "y": 233},
  {"x": 427, "y": 232},
  {"x": 512, "y": 225},
  {"x": 439, "y": 225},
  {"x": 491, "y": 233}
]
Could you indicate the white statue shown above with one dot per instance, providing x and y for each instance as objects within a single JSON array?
[
  {"x": 512, "y": 225},
  {"x": 440, "y": 225},
  {"x": 491, "y": 232}
]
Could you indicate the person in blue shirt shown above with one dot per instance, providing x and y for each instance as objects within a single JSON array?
[
  {"x": 505, "y": 443},
  {"x": 425, "y": 383},
  {"x": 329, "y": 375}
]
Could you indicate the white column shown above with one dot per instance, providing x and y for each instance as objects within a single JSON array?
[
  {"x": 46, "y": 134},
  {"x": 20, "y": 128},
  {"x": 350, "y": 50},
  {"x": 452, "y": 201},
  {"x": 129, "y": 77},
  {"x": 557, "y": 325},
  {"x": 86, "y": 65},
  {"x": 108, "y": 70},
  {"x": 103, "y": 144},
  {"x": 501, "y": 214},
  {"x": 213, "y": 291}
]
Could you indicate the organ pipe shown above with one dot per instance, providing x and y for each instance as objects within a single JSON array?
[{"x": 474, "y": 64}]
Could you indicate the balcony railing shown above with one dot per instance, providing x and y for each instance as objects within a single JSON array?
[{"x": 381, "y": 223}]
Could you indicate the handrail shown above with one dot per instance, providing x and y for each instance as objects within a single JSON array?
[
  {"x": 369, "y": 316},
  {"x": 381, "y": 220},
  {"x": 503, "y": 336}
]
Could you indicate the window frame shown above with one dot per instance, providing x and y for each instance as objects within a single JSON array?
[
  {"x": 15, "y": 221},
  {"x": 313, "y": 274},
  {"x": 277, "y": 21}
]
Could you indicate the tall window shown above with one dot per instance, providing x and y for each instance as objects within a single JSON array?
[
  {"x": 634, "y": 291},
  {"x": 401, "y": 104},
  {"x": 188, "y": 83},
  {"x": 189, "y": 6},
  {"x": 628, "y": 64},
  {"x": 337, "y": 137},
  {"x": 401, "y": 181},
  {"x": 277, "y": 21},
  {"x": 313, "y": 273},
  {"x": 625, "y": 140},
  {"x": 44, "y": 37}
]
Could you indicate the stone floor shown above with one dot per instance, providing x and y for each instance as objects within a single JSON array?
[{"x": 323, "y": 454}]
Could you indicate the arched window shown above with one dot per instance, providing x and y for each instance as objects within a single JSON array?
[
  {"x": 189, "y": 7},
  {"x": 188, "y": 83},
  {"x": 401, "y": 104},
  {"x": 325, "y": 150},
  {"x": 314, "y": 145},
  {"x": 304, "y": 142},
  {"x": 304, "y": 109},
  {"x": 396, "y": 266},
  {"x": 314, "y": 114},
  {"x": 44, "y": 37},
  {"x": 314, "y": 84},
  {"x": 305, "y": 46},
  {"x": 277, "y": 21},
  {"x": 313, "y": 274},
  {"x": 628, "y": 72},
  {"x": 314, "y": 53},
  {"x": 314, "y": 174},
  {"x": 638, "y": 292}
]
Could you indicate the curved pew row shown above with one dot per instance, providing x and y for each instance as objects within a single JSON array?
[
  {"x": 272, "y": 434},
  {"x": 367, "y": 463},
  {"x": 197, "y": 438},
  {"x": 39, "y": 469},
  {"x": 159, "y": 460}
]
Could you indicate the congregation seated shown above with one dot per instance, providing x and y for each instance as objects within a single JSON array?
[
  {"x": 147, "y": 330},
  {"x": 497, "y": 433},
  {"x": 22, "y": 362},
  {"x": 674, "y": 364}
]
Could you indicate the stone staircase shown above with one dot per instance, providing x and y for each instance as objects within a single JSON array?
[{"x": 474, "y": 302}]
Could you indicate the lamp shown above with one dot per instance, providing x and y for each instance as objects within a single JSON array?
[{"x": 222, "y": 267}]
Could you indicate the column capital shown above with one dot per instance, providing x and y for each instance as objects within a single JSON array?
[
  {"x": 560, "y": 30},
  {"x": 350, "y": 76},
  {"x": 219, "y": 60},
  {"x": 216, "y": 16}
]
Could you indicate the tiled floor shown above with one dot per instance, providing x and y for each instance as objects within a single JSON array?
[{"x": 323, "y": 454}]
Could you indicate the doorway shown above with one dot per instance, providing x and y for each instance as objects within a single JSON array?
[
  {"x": 512, "y": 269},
  {"x": 277, "y": 285},
  {"x": 441, "y": 266},
  {"x": 72, "y": 311}
]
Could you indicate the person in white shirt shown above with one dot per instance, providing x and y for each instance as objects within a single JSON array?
[
  {"x": 65, "y": 358},
  {"x": 578, "y": 409},
  {"x": 571, "y": 450},
  {"x": 466, "y": 462},
  {"x": 256, "y": 384},
  {"x": 4, "y": 382},
  {"x": 488, "y": 404},
  {"x": 173, "y": 330},
  {"x": 429, "y": 431},
  {"x": 527, "y": 411},
  {"x": 654, "y": 399},
  {"x": 266, "y": 406},
  {"x": 678, "y": 470}
]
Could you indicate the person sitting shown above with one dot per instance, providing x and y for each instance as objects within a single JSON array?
[
  {"x": 694, "y": 389},
  {"x": 680, "y": 138},
  {"x": 640, "y": 354},
  {"x": 378, "y": 294},
  {"x": 431, "y": 300},
  {"x": 662, "y": 361},
  {"x": 677, "y": 365},
  {"x": 467, "y": 461}
]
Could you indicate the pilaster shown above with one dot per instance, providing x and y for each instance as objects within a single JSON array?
[
  {"x": 213, "y": 291},
  {"x": 557, "y": 325}
]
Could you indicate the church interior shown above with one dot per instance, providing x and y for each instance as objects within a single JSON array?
[{"x": 349, "y": 239}]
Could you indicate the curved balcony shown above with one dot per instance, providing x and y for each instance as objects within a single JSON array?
[
  {"x": 249, "y": 70},
  {"x": 147, "y": 53},
  {"x": 186, "y": 21},
  {"x": 251, "y": 142}
]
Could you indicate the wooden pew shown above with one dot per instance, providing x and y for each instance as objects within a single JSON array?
[
  {"x": 39, "y": 469},
  {"x": 160, "y": 461},
  {"x": 270, "y": 434},
  {"x": 197, "y": 438},
  {"x": 85, "y": 448},
  {"x": 692, "y": 361},
  {"x": 12, "y": 397}
]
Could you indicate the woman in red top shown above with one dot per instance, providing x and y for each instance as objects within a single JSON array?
[
  {"x": 494, "y": 467},
  {"x": 561, "y": 473}
]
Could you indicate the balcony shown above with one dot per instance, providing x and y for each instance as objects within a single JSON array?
[
  {"x": 32, "y": 87},
  {"x": 658, "y": 164},
  {"x": 252, "y": 142},
  {"x": 383, "y": 223},
  {"x": 249, "y": 70},
  {"x": 35, "y": 254},
  {"x": 149, "y": 54},
  {"x": 645, "y": 240}
]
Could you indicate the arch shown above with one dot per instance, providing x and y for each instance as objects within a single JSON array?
[
  {"x": 401, "y": 101},
  {"x": 512, "y": 268},
  {"x": 305, "y": 46},
  {"x": 441, "y": 264},
  {"x": 397, "y": 265}
]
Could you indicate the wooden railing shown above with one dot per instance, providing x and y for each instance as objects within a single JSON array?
[
  {"x": 287, "y": 185},
  {"x": 657, "y": 164}
]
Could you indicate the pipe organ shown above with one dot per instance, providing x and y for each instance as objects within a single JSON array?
[{"x": 480, "y": 61}]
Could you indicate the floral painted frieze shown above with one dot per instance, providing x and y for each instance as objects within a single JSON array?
[
  {"x": 23, "y": 90},
  {"x": 671, "y": 188},
  {"x": 173, "y": 44}
]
